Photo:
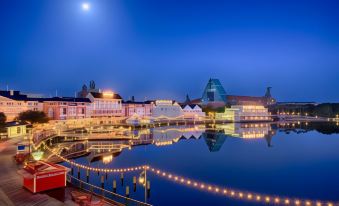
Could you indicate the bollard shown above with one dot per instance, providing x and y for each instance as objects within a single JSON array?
[
  {"x": 114, "y": 186},
  {"x": 102, "y": 182},
  {"x": 78, "y": 172},
  {"x": 87, "y": 176},
  {"x": 134, "y": 184},
  {"x": 122, "y": 179},
  {"x": 127, "y": 191},
  {"x": 148, "y": 189}
]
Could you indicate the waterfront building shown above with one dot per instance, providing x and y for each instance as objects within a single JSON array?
[
  {"x": 244, "y": 113},
  {"x": 15, "y": 129},
  {"x": 12, "y": 103},
  {"x": 167, "y": 109},
  {"x": 214, "y": 95},
  {"x": 265, "y": 100},
  {"x": 192, "y": 111},
  {"x": 63, "y": 108},
  {"x": 105, "y": 104},
  {"x": 142, "y": 109},
  {"x": 85, "y": 91}
]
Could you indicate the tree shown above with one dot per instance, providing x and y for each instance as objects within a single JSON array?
[
  {"x": 3, "y": 118},
  {"x": 33, "y": 117}
]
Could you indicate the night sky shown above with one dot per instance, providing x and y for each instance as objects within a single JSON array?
[{"x": 168, "y": 48}]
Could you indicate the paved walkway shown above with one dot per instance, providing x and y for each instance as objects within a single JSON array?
[{"x": 11, "y": 190}]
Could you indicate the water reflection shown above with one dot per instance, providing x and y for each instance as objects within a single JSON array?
[
  {"x": 235, "y": 152},
  {"x": 214, "y": 135}
]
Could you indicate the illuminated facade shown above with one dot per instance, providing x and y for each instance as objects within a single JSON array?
[
  {"x": 244, "y": 113},
  {"x": 142, "y": 109},
  {"x": 63, "y": 108},
  {"x": 12, "y": 103},
  {"x": 193, "y": 112},
  {"x": 167, "y": 109},
  {"x": 105, "y": 104}
]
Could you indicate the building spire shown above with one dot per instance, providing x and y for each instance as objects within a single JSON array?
[
  {"x": 188, "y": 100},
  {"x": 268, "y": 92}
]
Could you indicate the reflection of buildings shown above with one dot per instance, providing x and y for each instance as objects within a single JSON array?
[
  {"x": 169, "y": 135},
  {"x": 214, "y": 140},
  {"x": 247, "y": 130}
]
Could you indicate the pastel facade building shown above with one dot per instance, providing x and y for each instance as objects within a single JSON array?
[
  {"x": 167, "y": 109},
  {"x": 142, "y": 109},
  {"x": 12, "y": 103},
  {"x": 244, "y": 113},
  {"x": 64, "y": 108},
  {"x": 15, "y": 129},
  {"x": 105, "y": 104},
  {"x": 192, "y": 111}
]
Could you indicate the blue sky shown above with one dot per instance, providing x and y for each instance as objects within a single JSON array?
[{"x": 166, "y": 49}]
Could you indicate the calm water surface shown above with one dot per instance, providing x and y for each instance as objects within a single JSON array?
[{"x": 302, "y": 163}]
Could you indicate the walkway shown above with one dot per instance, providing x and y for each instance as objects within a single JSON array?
[{"x": 11, "y": 190}]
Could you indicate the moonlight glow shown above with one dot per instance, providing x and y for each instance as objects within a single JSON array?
[{"x": 85, "y": 6}]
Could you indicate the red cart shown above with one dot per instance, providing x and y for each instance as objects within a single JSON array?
[{"x": 41, "y": 176}]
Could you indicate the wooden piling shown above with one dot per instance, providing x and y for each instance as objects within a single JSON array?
[
  {"x": 134, "y": 184},
  {"x": 127, "y": 191},
  {"x": 122, "y": 179},
  {"x": 114, "y": 186}
]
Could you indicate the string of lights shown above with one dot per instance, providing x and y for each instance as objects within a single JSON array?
[{"x": 228, "y": 192}]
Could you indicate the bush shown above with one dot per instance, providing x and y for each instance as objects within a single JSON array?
[
  {"x": 3, "y": 118},
  {"x": 33, "y": 117}
]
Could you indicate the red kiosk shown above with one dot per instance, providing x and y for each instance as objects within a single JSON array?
[{"x": 41, "y": 176}]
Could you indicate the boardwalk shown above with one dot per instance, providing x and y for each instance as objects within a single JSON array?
[{"x": 11, "y": 190}]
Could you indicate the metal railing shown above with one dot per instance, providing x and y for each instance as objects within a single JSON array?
[{"x": 108, "y": 195}]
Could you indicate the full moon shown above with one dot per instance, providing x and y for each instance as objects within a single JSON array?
[{"x": 85, "y": 6}]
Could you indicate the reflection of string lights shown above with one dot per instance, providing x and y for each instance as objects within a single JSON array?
[{"x": 248, "y": 196}]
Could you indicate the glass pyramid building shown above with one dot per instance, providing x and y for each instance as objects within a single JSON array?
[{"x": 213, "y": 93}]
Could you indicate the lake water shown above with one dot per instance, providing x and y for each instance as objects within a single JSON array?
[{"x": 292, "y": 160}]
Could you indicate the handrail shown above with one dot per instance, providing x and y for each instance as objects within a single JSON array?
[{"x": 115, "y": 197}]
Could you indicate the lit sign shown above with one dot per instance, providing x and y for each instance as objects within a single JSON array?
[{"x": 108, "y": 94}]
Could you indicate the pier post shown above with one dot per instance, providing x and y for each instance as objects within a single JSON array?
[
  {"x": 102, "y": 182},
  {"x": 87, "y": 176},
  {"x": 122, "y": 179},
  {"x": 134, "y": 184},
  {"x": 127, "y": 191},
  {"x": 78, "y": 172},
  {"x": 148, "y": 189},
  {"x": 114, "y": 186}
]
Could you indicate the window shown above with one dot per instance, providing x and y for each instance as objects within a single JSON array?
[
  {"x": 18, "y": 130},
  {"x": 64, "y": 111}
]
